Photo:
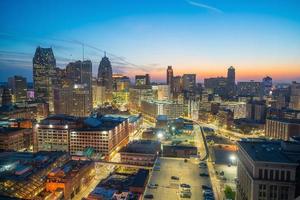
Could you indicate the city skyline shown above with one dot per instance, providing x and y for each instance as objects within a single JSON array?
[{"x": 205, "y": 37}]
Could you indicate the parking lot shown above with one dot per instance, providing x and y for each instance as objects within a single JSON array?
[{"x": 188, "y": 173}]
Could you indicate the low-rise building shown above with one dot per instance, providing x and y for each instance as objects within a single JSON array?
[
  {"x": 70, "y": 177},
  {"x": 22, "y": 174},
  {"x": 140, "y": 152},
  {"x": 15, "y": 139},
  {"x": 181, "y": 151}
]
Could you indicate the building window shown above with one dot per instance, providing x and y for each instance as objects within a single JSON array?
[
  {"x": 271, "y": 174},
  {"x": 260, "y": 174},
  {"x": 282, "y": 176},
  {"x": 277, "y": 175},
  {"x": 288, "y": 175},
  {"x": 265, "y": 174}
]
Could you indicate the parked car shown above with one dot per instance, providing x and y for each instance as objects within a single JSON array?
[
  {"x": 184, "y": 185},
  {"x": 148, "y": 196},
  {"x": 152, "y": 186},
  {"x": 205, "y": 187},
  {"x": 204, "y": 174}
]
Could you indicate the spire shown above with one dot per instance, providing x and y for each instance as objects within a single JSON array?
[{"x": 104, "y": 53}]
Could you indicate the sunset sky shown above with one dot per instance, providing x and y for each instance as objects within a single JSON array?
[{"x": 257, "y": 37}]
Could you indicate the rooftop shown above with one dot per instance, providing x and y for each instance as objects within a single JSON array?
[
  {"x": 68, "y": 170},
  {"x": 142, "y": 146},
  {"x": 8, "y": 130},
  {"x": 272, "y": 151}
]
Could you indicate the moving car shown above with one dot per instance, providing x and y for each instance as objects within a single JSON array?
[{"x": 174, "y": 177}]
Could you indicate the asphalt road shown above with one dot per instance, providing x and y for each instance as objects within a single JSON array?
[{"x": 187, "y": 172}]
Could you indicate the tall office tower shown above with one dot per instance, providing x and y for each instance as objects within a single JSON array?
[
  {"x": 6, "y": 97},
  {"x": 295, "y": 96},
  {"x": 44, "y": 64},
  {"x": 142, "y": 80},
  {"x": 268, "y": 170},
  {"x": 189, "y": 82},
  {"x": 230, "y": 82},
  {"x": 18, "y": 86},
  {"x": 267, "y": 85},
  {"x": 105, "y": 73},
  {"x": 177, "y": 85},
  {"x": 218, "y": 85},
  {"x": 170, "y": 78}
]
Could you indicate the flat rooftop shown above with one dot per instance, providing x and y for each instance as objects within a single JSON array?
[
  {"x": 272, "y": 151},
  {"x": 68, "y": 170},
  {"x": 8, "y": 130},
  {"x": 21, "y": 165},
  {"x": 142, "y": 146}
]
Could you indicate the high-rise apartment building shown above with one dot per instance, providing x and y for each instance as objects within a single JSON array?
[
  {"x": 105, "y": 73},
  {"x": 252, "y": 89},
  {"x": 44, "y": 64},
  {"x": 267, "y": 85},
  {"x": 295, "y": 96},
  {"x": 18, "y": 86},
  {"x": 268, "y": 170}
]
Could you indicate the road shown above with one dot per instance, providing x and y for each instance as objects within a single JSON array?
[
  {"x": 101, "y": 172},
  {"x": 188, "y": 172},
  {"x": 201, "y": 141}
]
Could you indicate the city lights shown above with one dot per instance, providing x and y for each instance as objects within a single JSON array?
[{"x": 150, "y": 100}]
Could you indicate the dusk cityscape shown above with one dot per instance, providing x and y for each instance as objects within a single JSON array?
[{"x": 150, "y": 99}]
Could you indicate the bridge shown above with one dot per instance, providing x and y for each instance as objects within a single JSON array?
[{"x": 103, "y": 162}]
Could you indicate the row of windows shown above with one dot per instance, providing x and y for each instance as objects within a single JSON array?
[
  {"x": 274, "y": 192},
  {"x": 277, "y": 175}
]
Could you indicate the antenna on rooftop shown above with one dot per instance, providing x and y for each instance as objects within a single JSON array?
[{"x": 82, "y": 52}]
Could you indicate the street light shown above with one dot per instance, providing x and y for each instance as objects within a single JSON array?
[
  {"x": 160, "y": 135},
  {"x": 232, "y": 158}
]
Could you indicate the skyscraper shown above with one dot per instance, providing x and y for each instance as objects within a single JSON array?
[
  {"x": 105, "y": 73},
  {"x": 170, "y": 77},
  {"x": 74, "y": 96},
  {"x": 189, "y": 82},
  {"x": 44, "y": 64},
  {"x": 18, "y": 86},
  {"x": 230, "y": 82}
]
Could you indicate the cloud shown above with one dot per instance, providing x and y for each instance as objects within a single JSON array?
[{"x": 205, "y": 6}]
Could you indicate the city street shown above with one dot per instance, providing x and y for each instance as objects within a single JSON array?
[{"x": 188, "y": 173}]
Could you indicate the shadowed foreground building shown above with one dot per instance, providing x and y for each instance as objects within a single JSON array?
[
  {"x": 268, "y": 170},
  {"x": 22, "y": 174},
  {"x": 70, "y": 178}
]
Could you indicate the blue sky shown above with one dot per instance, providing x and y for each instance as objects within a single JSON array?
[{"x": 258, "y": 37}]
